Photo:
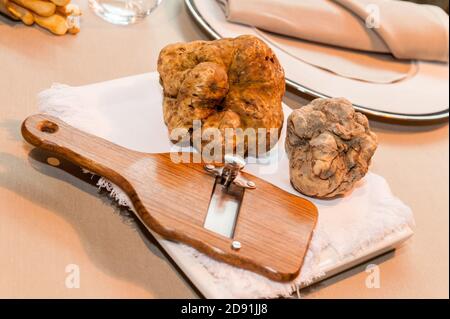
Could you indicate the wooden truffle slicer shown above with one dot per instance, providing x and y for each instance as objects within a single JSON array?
[{"x": 223, "y": 212}]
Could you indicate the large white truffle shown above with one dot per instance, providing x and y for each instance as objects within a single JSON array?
[{"x": 329, "y": 146}]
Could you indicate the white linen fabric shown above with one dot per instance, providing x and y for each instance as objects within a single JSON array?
[
  {"x": 128, "y": 112},
  {"x": 405, "y": 29},
  {"x": 369, "y": 67}
]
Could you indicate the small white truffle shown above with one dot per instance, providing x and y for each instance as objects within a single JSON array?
[{"x": 329, "y": 146}]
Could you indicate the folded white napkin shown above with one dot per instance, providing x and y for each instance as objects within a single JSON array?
[
  {"x": 358, "y": 65},
  {"x": 405, "y": 29},
  {"x": 128, "y": 112}
]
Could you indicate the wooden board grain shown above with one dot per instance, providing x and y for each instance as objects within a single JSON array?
[{"x": 273, "y": 226}]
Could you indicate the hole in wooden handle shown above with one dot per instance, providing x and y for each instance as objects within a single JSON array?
[
  {"x": 53, "y": 161},
  {"x": 48, "y": 127}
]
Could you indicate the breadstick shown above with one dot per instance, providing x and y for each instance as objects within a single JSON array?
[
  {"x": 60, "y": 2},
  {"x": 23, "y": 14},
  {"x": 55, "y": 23},
  {"x": 73, "y": 27},
  {"x": 5, "y": 11},
  {"x": 69, "y": 9},
  {"x": 42, "y": 8},
  {"x": 73, "y": 22},
  {"x": 67, "y": 20},
  {"x": 72, "y": 13}
]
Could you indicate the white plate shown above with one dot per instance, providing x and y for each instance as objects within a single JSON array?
[{"x": 422, "y": 97}]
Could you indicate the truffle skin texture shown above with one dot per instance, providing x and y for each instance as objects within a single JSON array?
[
  {"x": 227, "y": 83},
  {"x": 329, "y": 146}
]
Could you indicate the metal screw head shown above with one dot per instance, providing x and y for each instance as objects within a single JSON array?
[
  {"x": 251, "y": 184},
  {"x": 236, "y": 245},
  {"x": 209, "y": 167},
  {"x": 234, "y": 161},
  {"x": 53, "y": 161}
]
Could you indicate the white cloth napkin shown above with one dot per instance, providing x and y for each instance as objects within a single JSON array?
[
  {"x": 358, "y": 65},
  {"x": 405, "y": 29},
  {"x": 128, "y": 112}
]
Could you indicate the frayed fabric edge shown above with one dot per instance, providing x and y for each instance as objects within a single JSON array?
[
  {"x": 115, "y": 193},
  {"x": 63, "y": 101},
  {"x": 294, "y": 287}
]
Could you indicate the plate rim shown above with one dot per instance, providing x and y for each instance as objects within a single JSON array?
[{"x": 427, "y": 117}]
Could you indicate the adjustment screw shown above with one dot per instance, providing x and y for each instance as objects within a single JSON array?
[
  {"x": 236, "y": 245},
  {"x": 251, "y": 184},
  {"x": 235, "y": 162}
]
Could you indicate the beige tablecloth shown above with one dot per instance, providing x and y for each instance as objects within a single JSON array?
[{"x": 49, "y": 219}]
